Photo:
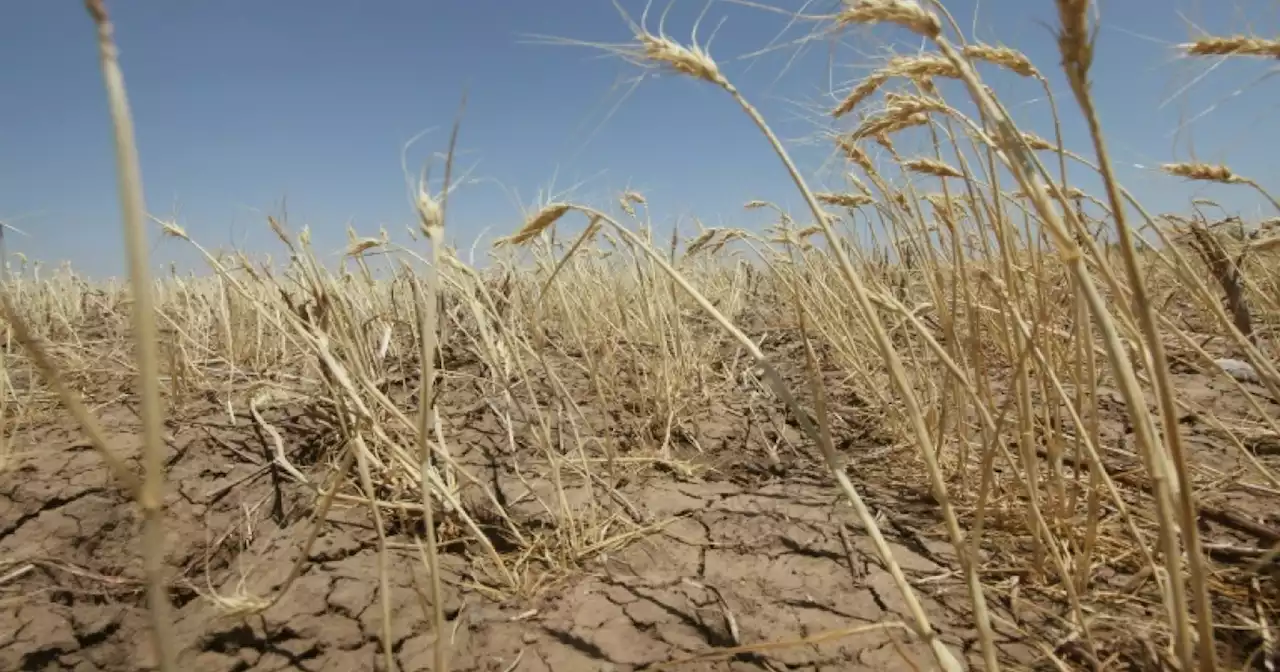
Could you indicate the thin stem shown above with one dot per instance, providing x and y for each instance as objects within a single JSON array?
[{"x": 132, "y": 206}]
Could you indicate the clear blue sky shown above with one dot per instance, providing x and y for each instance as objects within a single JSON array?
[{"x": 241, "y": 106}]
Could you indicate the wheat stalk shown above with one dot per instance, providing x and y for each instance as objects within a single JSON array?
[{"x": 132, "y": 205}]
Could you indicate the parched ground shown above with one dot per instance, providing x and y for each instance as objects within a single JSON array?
[
  {"x": 731, "y": 562},
  {"x": 728, "y": 553}
]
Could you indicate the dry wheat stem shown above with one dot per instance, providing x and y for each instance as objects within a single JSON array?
[
  {"x": 1024, "y": 170},
  {"x": 132, "y": 205},
  {"x": 362, "y": 454},
  {"x": 1076, "y": 53},
  {"x": 432, "y": 220}
]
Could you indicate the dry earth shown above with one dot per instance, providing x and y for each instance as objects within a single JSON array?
[{"x": 737, "y": 553}]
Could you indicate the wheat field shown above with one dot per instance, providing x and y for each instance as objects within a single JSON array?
[{"x": 960, "y": 415}]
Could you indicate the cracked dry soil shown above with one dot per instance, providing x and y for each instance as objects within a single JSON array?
[
  {"x": 732, "y": 561},
  {"x": 736, "y": 555}
]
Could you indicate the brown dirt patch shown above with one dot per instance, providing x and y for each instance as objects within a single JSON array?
[{"x": 736, "y": 553}]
